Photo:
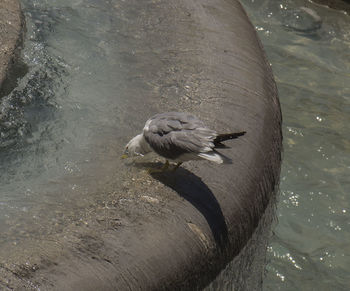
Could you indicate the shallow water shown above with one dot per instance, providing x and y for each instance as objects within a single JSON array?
[
  {"x": 60, "y": 113},
  {"x": 310, "y": 58}
]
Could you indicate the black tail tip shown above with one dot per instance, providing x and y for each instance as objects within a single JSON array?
[{"x": 241, "y": 133}]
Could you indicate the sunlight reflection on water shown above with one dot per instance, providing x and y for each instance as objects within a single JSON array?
[{"x": 312, "y": 69}]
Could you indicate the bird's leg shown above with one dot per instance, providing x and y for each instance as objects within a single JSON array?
[
  {"x": 161, "y": 170},
  {"x": 165, "y": 166},
  {"x": 177, "y": 165}
]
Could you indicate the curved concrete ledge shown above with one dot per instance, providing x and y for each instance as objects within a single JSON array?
[
  {"x": 11, "y": 37},
  {"x": 204, "y": 214}
]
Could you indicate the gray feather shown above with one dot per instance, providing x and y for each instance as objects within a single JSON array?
[{"x": 173, "y": 134}]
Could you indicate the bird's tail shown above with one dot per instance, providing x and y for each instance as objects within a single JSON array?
[
  {"x": 216, "y": 157},
  {"x": 226, "y": 136}
]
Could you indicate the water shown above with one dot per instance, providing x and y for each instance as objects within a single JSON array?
[
  {"x": 66, "y": 120},
  {"x": 310, "y": 57}
]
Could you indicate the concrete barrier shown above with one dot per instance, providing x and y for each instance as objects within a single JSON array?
[{"x": 205, "y": 214}]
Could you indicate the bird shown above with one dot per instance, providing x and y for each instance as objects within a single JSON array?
[{"x": 179, "y": 137}]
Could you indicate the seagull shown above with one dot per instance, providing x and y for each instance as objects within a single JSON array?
[{"x": 179, "y": 137}]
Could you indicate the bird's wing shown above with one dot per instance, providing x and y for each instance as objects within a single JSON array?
[{"x": 172, "y": 134}]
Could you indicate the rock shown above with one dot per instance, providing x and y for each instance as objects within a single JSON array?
[{"x": 302, "y": 19}]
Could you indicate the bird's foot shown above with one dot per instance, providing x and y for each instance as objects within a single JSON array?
[
  {"x": 176, "y": 166},
  {"x": 161, "y": 170}
]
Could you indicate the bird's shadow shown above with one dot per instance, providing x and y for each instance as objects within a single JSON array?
[{"x": 194, "y": 190}]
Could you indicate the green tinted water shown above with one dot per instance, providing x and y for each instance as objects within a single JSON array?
[{"x": 310, "y": 55}]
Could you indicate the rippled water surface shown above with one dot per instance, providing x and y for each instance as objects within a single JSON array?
[
  {"x": 59, "y": 114},
  {"x": 310, "y": 54}
]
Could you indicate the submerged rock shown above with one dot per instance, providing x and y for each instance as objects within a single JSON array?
[{"x": 302, "y": 19}]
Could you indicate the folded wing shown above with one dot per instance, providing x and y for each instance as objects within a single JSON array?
[{"x": 174, "y": 134}]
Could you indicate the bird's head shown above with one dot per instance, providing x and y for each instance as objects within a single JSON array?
[{"x": 135, "y": 147}]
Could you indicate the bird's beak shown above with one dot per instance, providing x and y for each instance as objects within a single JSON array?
[{"x": 125, "y": 154}]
